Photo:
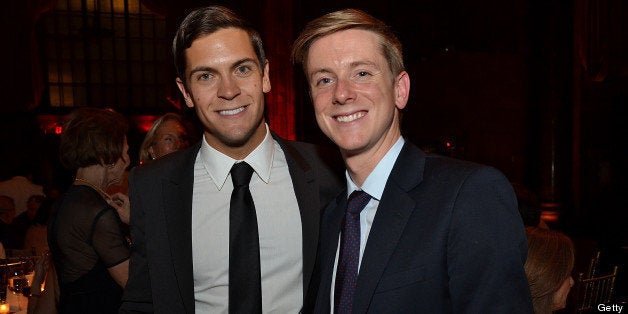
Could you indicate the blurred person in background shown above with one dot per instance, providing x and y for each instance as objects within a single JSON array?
[
  {"x": 167, "y": 134},
  {"x": 8, "y": 233},
  {"x": 85, "y": 236},
  {"x": 26, "y": 219},
  {"x": 548, "y": 268},
  {"x": 20, "y": 188},
  {"x": 36, "y": 237}
]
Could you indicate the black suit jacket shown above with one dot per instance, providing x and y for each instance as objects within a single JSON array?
[
  {"x": 160, "y": 275},
  {"x": 447, "y": 238}
]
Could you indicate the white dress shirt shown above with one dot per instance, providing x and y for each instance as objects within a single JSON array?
[
  {"x": 374, "y": 186},
  {"x": 279, "y": 226}
]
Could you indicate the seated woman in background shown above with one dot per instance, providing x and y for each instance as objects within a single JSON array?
[
  {"x": 36, "y": 238},
  {"x": 548, "y": 268},
  {"x": 85, "y": 235},
  {"x": 9, "y": 235},
  {"x": 167, "y": 134}
]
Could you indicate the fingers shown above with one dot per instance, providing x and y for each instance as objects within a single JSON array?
[
  {"x": 121, "y": 203},
  {"x": 120, "y": 199}
]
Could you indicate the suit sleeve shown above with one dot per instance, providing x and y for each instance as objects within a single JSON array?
[
  {"x": 137, "y": 296},
  {"x": 487, "y": 248}
]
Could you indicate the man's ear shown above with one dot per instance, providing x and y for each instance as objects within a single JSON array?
[
  {"x": 402, "y": 90},
  {"x": 186, "y": 95},
  {"x": 266, "y": 78}
]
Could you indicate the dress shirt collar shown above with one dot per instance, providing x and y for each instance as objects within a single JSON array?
[
  {"x": 218, "y": 165},
  {"x": 376, "y": 181}
]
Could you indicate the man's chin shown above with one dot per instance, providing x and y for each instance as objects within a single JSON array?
[{"x": 237, "y": 139}]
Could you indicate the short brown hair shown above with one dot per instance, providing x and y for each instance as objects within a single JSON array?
[
  {"x": 205, "y": 21},
  {"x": 349, "y": 19},
  {"x": 550, "y": 261},
  {"x": 92, "y": 136}
]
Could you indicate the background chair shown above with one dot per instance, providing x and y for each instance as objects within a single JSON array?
[{"x": 593, "y": 289}]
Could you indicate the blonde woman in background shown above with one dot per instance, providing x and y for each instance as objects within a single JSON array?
[
  {"x": 167, "y": 134},
  {"x": 548, "y": 268}
]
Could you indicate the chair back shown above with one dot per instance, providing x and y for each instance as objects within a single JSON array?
[{"x": 594, "y": 290}]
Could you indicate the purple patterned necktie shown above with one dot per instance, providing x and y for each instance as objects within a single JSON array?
[{"x": 347, "y": 271}]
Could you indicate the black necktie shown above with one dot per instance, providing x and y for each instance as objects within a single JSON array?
[
  {"x": 245, "y": 287},
  {"x": 348, "y": 261}
]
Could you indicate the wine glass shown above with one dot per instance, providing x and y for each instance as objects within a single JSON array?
[{"x": 16, "y": 283}]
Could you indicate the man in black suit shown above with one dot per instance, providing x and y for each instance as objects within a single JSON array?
[
  {"x": 180, "y": 204},
  {"x": 433, "y": 234}
]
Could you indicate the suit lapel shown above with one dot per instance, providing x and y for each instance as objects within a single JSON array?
[
  {"x": 393, "y": 213},
  {"x": 306, "y": 189},
  {"x": 334, "y": 213},
  {"x": 177, "y": 197}
]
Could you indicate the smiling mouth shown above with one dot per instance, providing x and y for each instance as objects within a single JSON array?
[
  {"x": 232, "y": 111},
  {"x": 351, "y": 117}
]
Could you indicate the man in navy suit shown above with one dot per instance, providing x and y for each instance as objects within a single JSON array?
[
  {"x": 437, "y": 235},
  {"x": 180, "y": 203}
]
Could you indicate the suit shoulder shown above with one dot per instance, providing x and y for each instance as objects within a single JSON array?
[
  {"x": 315, "y": 155},
  {"x": 170, "y": 164},
  {"x": 442, "y": 166}
]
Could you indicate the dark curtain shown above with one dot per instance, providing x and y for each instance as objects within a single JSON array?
[{"x": 22, "y": 82}]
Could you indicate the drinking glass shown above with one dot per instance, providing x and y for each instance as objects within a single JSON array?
[{"x": 16, "y": 283}]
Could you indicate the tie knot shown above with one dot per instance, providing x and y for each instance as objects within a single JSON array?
[
  {"x": 357, "y": 201},
  {"x": 241, "y": 174}
]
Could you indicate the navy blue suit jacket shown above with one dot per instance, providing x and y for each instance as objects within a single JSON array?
[
  {"x": 447, "y": 238},
  {"x": 160, "y": 273}
]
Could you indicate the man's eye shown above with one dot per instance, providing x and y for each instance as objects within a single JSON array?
[
  {"x": 323, "y": 81},
  {"x": 363, "y": 73},
  {"x": 243, "y": 70},
  {"x": 203, "y": 77}
]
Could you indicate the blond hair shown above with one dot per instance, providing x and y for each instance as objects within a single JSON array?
[
  {"x": 150, "y": 140},
  {"x": 349, "y": 19}
]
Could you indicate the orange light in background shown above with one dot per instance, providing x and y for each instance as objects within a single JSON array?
[
  {"x": 550, "y": 212},
  {"x": 4, "y": 307},
  {"x": 58, "y": 129},
  {"x": 550, "y": 216}
]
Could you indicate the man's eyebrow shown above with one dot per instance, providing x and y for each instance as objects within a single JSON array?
[
  {"x": 360, "y": 63},
  {"x": 201, "y": 69},
  {"x": 352, "y": 65},
  {"x": 244, "y": 60},
  {"x": 233, "y": 66},
  {"x": 320, "y": 71}
]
